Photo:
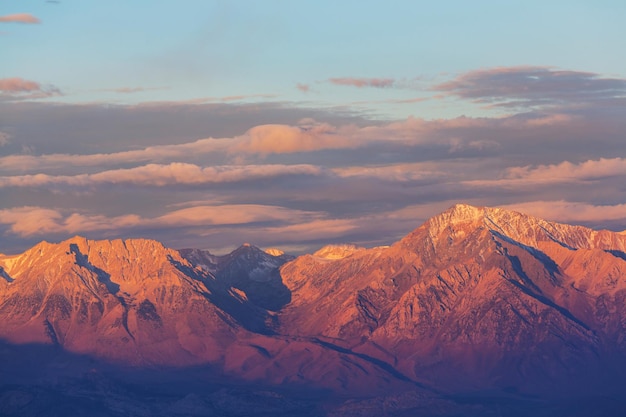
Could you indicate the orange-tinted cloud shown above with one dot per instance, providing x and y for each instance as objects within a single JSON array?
[
  {"x": 18, "y": 85},
  {"x": 176, "y": 173},
  {"x": 280, "y": 139},
  {"x": 458, "y": 135},
  {"x": 568, "y": 171},
  {"x": 25, "y": 18},
  {"x": 32, "y": 221}
]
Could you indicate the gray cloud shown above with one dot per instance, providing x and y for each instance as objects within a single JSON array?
[
  {"x": 298, "y": 177},
  {"x": 13, "y": 89},
  {"x": 363, "y": 82},
  {"x": 534, "y": 86}
]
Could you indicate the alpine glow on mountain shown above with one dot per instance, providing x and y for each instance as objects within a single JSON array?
[{"x": 474, "y": 299}]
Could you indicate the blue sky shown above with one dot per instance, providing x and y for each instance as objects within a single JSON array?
[
  {"x": 293, "y": 123},
  {"x": 206, "y": 49}
]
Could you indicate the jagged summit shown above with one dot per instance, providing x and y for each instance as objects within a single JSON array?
[
  {"x": 461, "y": 219},
  {"x": 472, "y": 296}
]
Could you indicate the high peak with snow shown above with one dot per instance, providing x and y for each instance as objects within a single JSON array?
[{"x": 474, "y": 298}]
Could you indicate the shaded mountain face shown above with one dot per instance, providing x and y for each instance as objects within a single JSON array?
[
  {"x": 135, "y": 300},
  {"x": 475, "y": 298}
]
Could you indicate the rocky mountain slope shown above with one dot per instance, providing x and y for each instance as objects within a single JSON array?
[
  {"x": 474, "y": 299},
  {"x": 489, "y": 295}
]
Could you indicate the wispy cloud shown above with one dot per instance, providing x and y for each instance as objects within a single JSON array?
[
  {"x": 313, "y": 176},
  {"x": 568, "y": 171},
  {"x": 571, "y": 211},
  {"x": 131, "y": 90},
  {"x": 31, "y": 220},
  {"x": 24, "y": 18},
  {"x": 363, "y": 82},
  {"x": 533, "y": 86},
  {"x": 303, "y": 87},
  {"x": 4, "y": 138},
  {"x": 244, "y": 97},
  {"x": 155, "y": 175},
  {"x": 20, "y": 89}
]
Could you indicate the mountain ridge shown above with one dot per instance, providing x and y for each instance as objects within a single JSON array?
[{"x": 474, "y": 297}]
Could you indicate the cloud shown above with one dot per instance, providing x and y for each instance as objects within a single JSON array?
[
  {"x": 230, "y": 214},
  {"x": 18, "y": 85},
  {"x": 245, "y": 97},
  {"x": 571, "y": 212},
  {"x": 4, "y": 138},
  {"x": 175, "y": 173},
  {"x": 17, "y": 88},
  {"x": 279, "y": 139},
  {"x": 151, "y": 153},
  {"x": 131, "y": 90},
  {"x": 458, "y": 136},
  {"x": 303, "y": 87},
  {"x": 31, "y": 221},
  {"x": 25, "y": 221},
  {"x": 261, "y": 140},
  {"x": 25, "y": 18},
  {"x": 363, "y": 82},
  {"x": 186, "y": 174},
  {"x": 400, "y": 173},
  {"x": 526, "y": 86},
  {"x": 568, "y": 171}
]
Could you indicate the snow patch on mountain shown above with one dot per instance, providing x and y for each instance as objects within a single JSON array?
[
  {"x": 337, "y": 251},
  {"x": 274, "y": 252}
]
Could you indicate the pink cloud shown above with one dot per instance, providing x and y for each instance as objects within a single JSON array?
[
  {"x": 162, "y": 175},
  {"x": 25, "y": 18},
  {"x": 18, "y": 85},
  {"x": 19, "y": 89},
  {"x": 31, "y": 221},
  {"x": 567, "y": 171},
  {"x": 303, "y": 87},
  {"x": 229, "y": 214},
  {"x": 281, "y": 139},
  {"x": 363, "y": 82},
  {"x": 26, "y": 221},
  {"x": 264, "y": 140},
  {"x": 570, "y": 212}
]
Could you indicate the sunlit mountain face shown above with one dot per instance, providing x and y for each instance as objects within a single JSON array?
[{"x": 477, "y": 312}]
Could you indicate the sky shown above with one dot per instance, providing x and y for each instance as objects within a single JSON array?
[{"x": 294, "y": 124}]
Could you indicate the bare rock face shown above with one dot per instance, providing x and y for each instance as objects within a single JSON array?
[
  {"x": 476, "y": 293},
  {"x": 126, "y": 300},
  {"x": 473, "y": 298}
]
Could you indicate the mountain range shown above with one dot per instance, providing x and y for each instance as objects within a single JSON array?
[{"x": 478, "y": 311}]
